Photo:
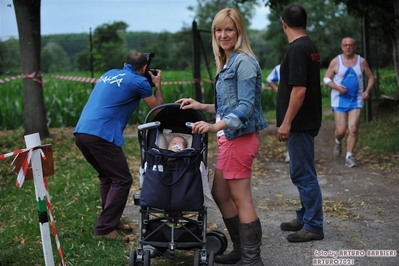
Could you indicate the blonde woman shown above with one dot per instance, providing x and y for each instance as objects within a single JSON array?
[{"x": 239, "y": 118}]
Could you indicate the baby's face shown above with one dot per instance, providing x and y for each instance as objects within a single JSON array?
[{"x": 177, "y": 143}]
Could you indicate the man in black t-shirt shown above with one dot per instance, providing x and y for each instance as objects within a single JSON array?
[{"x": 299, "y": 114}]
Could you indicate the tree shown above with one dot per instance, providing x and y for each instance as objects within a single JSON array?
[
  {"x": 261, "y": 46},
  {"x": 28, "y": 20},
  {"x": 10, "y": 57},
  {"x": 207, "y": 9},
  {"x": 54, "y": 58},
  {"x": 72, "y": 44},
  {"x": 328, "y": 23},
  {"x": 383, "y": 16},
  {"x": 109, "y": 46}
]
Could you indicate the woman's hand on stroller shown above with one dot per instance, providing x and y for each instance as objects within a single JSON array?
[
  {"x": 189, "y": 103},
  {"x": 202, "y": 127}
]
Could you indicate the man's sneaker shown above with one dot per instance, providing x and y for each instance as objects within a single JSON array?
[
  {"x": 287, "y": 157},
  {"x": 291, "y": 226},
  {"x": 304, "y": 236},
  {"x": 337, "y": 149},
  {"x": 350, "y": 161}
]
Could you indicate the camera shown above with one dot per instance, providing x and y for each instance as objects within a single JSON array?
[{"x": 149, "y": 56}]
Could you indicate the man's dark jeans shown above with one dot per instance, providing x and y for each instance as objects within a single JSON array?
[{"x": 114, "y": 175}]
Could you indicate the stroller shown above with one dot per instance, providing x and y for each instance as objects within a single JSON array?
[{"x": 174, "y": 190}]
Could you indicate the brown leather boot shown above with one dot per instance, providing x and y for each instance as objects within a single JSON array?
[
  {"x": 235, "y": 255},
  {"x": 115, "y": 236}
]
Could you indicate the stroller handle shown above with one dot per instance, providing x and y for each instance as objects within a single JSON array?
[
  {"x": 189, "y": 125},
  {"x": 154, "y": 110},
  {"x": 148, "y": 126}
]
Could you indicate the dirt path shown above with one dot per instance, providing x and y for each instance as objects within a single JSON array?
[{"x": 361, "y": 206}]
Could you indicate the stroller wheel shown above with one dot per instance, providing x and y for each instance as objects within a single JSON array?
[
  {"x": 211, "y": 256},
  {"x": 132, "y": 257},
  {"x": 223, "y": 236},
  {"x": 147, "y": 258},
  {"x": 153, "y": 250},
  {"x": 215, "y": 242},
  {"x": 197, "y": 257}
]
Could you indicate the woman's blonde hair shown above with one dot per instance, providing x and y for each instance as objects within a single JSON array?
[{"x": 242, "y": 45}]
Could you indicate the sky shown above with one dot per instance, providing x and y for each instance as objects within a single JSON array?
[{"x": 78, "y": 16}]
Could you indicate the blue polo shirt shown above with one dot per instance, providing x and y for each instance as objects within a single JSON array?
[{"x": 111, "y": 104}]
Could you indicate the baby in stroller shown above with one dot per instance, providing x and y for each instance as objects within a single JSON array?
[
  {"x": 174, "y": 189},
  {"x": 177, "y": 143}
]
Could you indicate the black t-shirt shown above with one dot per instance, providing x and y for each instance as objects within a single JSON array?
[{"x": 301, "y": 67}]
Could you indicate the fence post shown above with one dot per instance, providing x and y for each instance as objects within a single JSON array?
[{"x": 31, "y": 141}]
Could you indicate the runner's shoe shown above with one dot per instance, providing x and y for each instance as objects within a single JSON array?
[
  {"x": 337, "y": 150},
  {"x": 350, "y": 161},
  {"x": 287, "y": 157}
]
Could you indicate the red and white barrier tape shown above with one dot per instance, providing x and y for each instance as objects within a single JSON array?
[
  {"x": 80, "y": 79},
  {"x": 50, "y": 209},
  {"x": 95, "y": 80},
  {"x": 24, "y": 168},
  {"x": 2, "y": 156},
  {"x": 35, "y": 76},
  {"x": 10, "y": 79},
  {"x": 25, "y": 165},
  {"x": 20, "y": 180},
  {"x": 176, "y": 82}
]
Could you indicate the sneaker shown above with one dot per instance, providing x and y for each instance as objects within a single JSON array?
[
  {"x": 291, "y": 226},
  {"x": 350, "y": 161},
  {"x": 287, "y": 157},
  {"x": 337, "y": 150},
  {"x": 304, "y": 236}
]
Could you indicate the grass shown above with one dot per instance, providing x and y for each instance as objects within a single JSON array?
[
  {"x": 74, "y": 187},
  {"x": 75, "y": 198},
  {"x": 381, "y": 134}
]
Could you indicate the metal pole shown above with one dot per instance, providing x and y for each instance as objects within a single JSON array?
[
  {"x": 91, "y": 58},
  {"x": 196, "y": 63},
  {"x": 368, "y": 114}
]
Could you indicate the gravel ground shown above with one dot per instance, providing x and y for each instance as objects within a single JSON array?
[{"x": 361, "y": 207}]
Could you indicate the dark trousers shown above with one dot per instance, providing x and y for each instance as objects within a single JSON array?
[{"x": 114, "y": 175}]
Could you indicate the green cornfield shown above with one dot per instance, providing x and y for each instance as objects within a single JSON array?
[{"x": 64, "y": 99}]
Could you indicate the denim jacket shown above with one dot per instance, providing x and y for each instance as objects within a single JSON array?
[{"x": 238, "y": 96}]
